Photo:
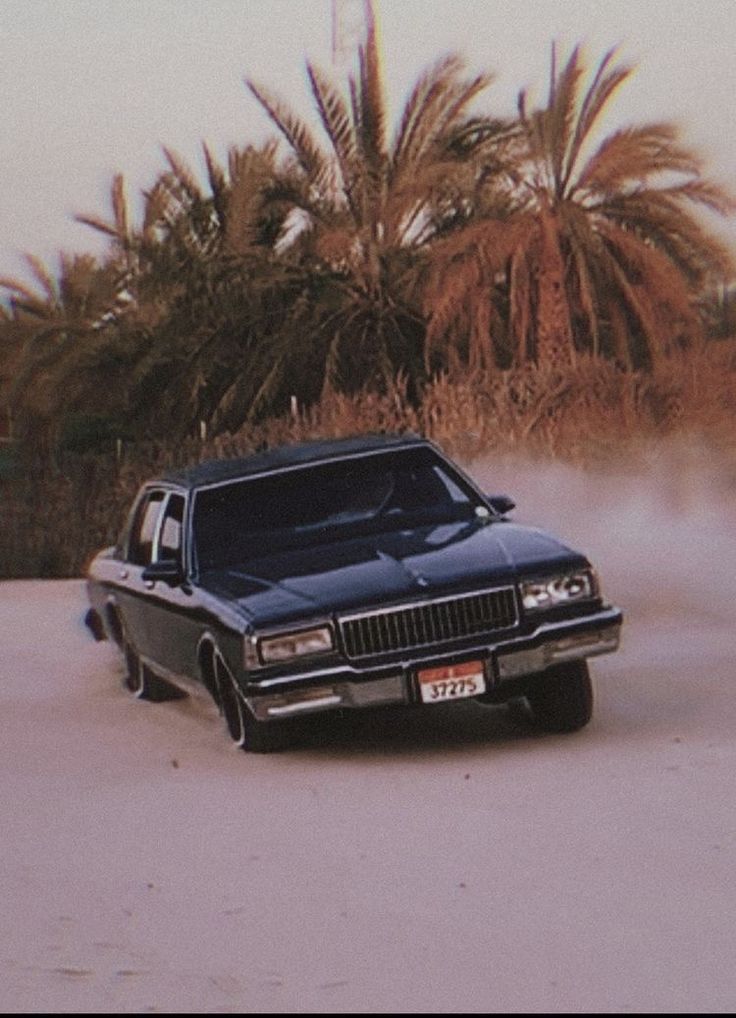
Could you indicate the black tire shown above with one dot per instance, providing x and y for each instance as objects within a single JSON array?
[
  {"x": 518, "y": 710},
  {"x": 137, "y": 678},
  {"x": 143, "y": 684},
  {"x": 561, "y": 699},
  {"x": 94, "y": 623},
  {"x": 244, "y": 728}
]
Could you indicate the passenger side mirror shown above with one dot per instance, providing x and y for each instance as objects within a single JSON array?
[{"x": 501, "y": 503}]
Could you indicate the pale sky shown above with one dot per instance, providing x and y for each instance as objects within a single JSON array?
[{"x": 92, "y": 87}]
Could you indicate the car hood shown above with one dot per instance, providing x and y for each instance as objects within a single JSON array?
[{"x": 385, "y": 568}]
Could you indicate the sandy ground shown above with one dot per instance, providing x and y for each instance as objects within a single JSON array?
[{"x": 439, "y": 862}]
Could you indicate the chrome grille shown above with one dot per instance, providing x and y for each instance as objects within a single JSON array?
[{"x": 423, "y": 625}]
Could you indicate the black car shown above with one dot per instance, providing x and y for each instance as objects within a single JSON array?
[{"x": 346, "y": 574}]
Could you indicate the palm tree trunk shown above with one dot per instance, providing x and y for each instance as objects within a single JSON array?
[{"x": 554, "y": 332}]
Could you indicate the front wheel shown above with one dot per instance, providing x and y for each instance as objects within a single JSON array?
[
  {"x": 137, "y": 679},
  {"x": 562, "y": 698},
  {"x": 245, "y": 729},
  {"x": 141, "y": 681}
]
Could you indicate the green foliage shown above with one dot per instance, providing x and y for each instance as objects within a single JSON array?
[
  {"x": 9, "y": 461},
  {"x": 344, "y": 260},
  {"x": 90, "y": 433},
  {"x": 595, "y": 249},
  {"x": 58, "y": 510}
]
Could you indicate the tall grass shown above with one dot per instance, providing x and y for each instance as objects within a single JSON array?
[{"x": 56, "y": 513}]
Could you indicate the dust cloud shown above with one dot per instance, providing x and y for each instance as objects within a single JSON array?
[{"x": 661, "y": 532}]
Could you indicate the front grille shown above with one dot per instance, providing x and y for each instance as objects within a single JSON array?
[{"x": 424, "y": 625}]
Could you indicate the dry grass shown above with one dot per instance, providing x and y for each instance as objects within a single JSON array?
[{"x": 56, "y": 515}]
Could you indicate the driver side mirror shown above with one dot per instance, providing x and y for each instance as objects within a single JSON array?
[{"x": 167, "y": 571}]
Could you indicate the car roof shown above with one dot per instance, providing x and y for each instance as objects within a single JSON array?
[{"x": 283, "y": 457}]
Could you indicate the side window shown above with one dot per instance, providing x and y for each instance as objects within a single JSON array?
[
  {"x": 170, "y": 542},
  {"x": 140, "y": 546}
]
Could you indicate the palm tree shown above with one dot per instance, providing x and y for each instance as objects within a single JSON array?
[
  {"x": 185, "y": 226},
  {"x": 362, "y": 207},
  {"x": 197, "y": 277},
  {"x": 63, "y": 329},
  {"x": 598, "y": 249}
]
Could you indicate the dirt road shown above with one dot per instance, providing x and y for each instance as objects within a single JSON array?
[{"x": 445, "y": 861}]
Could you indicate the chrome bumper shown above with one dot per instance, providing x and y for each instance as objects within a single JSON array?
[
  {"x": 558, "y": 648},
  {"x": 370, "y": 693},
  {"x": 548, "y": 645}
]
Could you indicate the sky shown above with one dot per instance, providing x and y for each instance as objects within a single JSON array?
[{"x": 95, "y": 87}]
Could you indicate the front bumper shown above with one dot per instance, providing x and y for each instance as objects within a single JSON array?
[{"x": 505, "y": 662}]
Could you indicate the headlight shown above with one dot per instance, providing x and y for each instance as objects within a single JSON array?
[
  {"x": 289, "y": 645},
  {"x": 536, "y": 595}
]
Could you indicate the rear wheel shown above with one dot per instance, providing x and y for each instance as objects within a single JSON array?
[
  {"x": 245, "y": 729},
  {"x": 562, "y": 698}
]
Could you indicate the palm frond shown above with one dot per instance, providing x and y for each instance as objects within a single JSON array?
[
  {"x": 423, "y": 99},
  {"x": 560, "y": 115},
  {"x": 340, "y": 129},
  {"x": 716, "y": 197},
  {"x": 597, "y": 96},
  {"x": 243, "y": 204},
  {"x": 157, "y": 204},
  {"x": 372, "y": 105},
  {"x": 119, "y": 229},
  {"x": 183, "y": 176},
  {"x": 297, "y": 134},
  {"x": 654, "y": 287},
  {"x": 456, "y": 102},
  {"x": 659, "y": 218},
  {"x": 634, "y": 156},
  {"x": 464, "y": 272},
  {"x": 19, "y": 289},
  {"x": 335, "y": 115},
  {"x": 43, "y": 277},
  {"x": 120, "y": 208},
  {"x": 96, "y": 223},
  {"x": 217, "y": 181},
  {"x": 30, "y": 304}
]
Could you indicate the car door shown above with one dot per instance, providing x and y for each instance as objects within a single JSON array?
[
  {"x": 173, "y": 622},
  {"x": 135, "y": 598}
]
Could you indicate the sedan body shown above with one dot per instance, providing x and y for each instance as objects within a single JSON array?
[{"x": 350, "y": 574}]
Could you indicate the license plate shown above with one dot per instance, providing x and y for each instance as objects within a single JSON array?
[{"x": 452, "y": 682}]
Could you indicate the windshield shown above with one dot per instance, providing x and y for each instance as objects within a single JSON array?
[{"x": 264, "y": 515}]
